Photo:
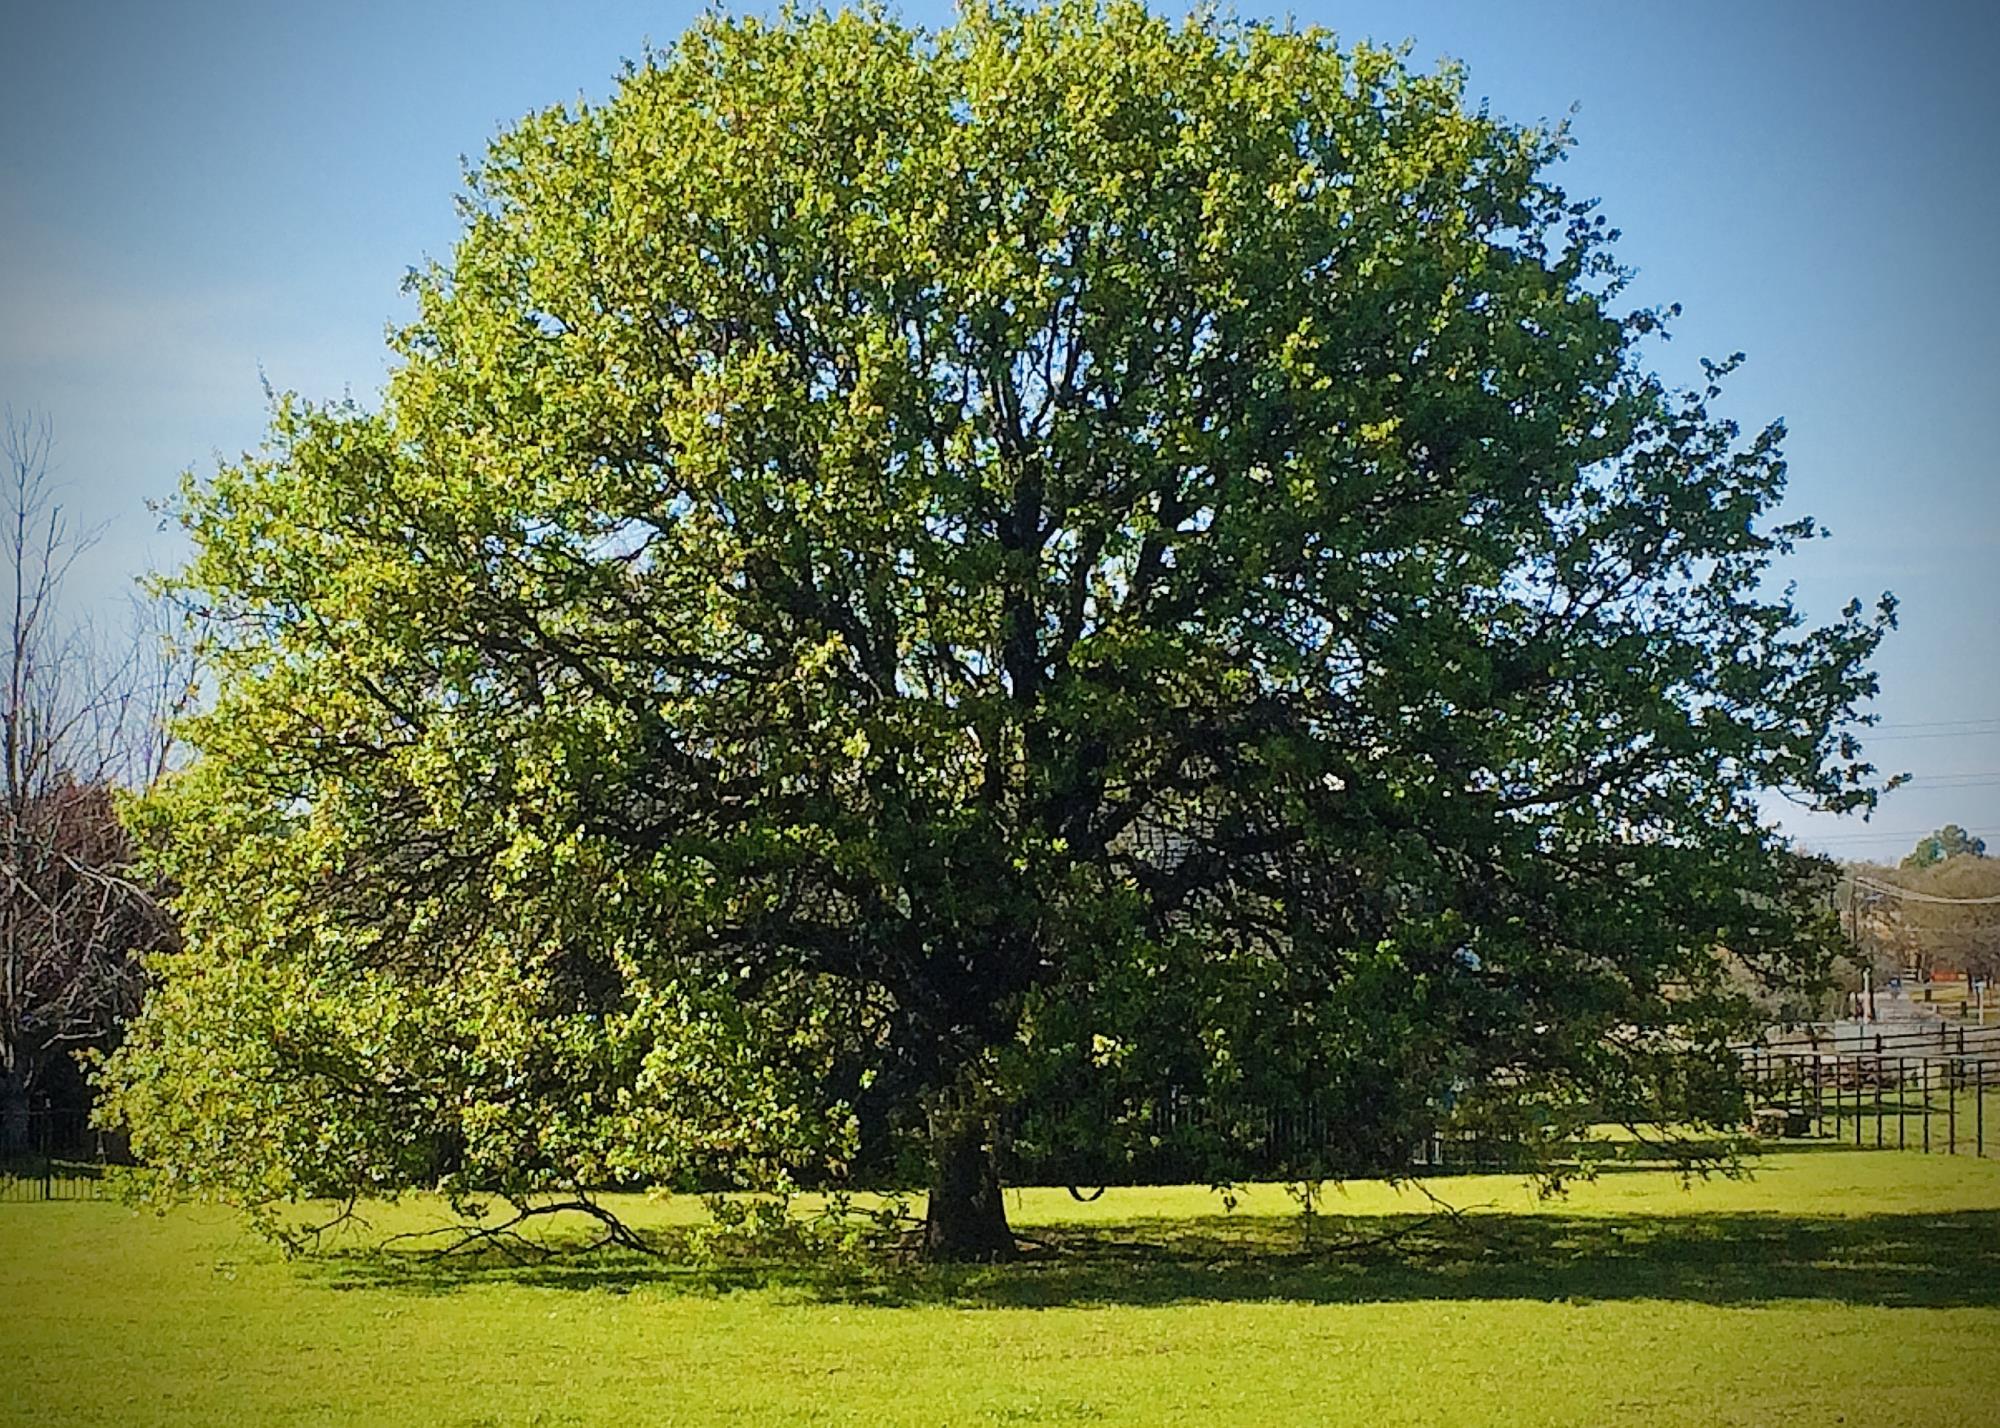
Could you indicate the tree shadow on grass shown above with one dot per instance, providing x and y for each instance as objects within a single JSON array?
[{"x": 1902, "y": 1261}]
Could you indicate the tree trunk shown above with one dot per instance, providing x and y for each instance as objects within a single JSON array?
[
  {"x": 966, "y": 1219},
  {"x": 14, "y": 1104}
]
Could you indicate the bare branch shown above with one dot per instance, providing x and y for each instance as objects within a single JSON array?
[{"x": 78, "y": 719}]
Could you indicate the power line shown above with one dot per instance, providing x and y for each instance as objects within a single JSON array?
[
  {"x": 1870, "y": 833},
  {"x": 1873, "y": 738},
  {"x": 1890, "y": 890},
  {"x": 1936, "y": 723},
  {"x": 1899, "y": 839},
  {"x": 1903, "y": 933}
]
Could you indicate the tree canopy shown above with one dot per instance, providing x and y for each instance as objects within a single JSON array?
[
  {"x": 910, "y": 589},
  {"x": 1950, "y": 841}
]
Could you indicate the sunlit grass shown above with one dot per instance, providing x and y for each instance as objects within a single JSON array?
[{"x": 1832, "y": 1282}]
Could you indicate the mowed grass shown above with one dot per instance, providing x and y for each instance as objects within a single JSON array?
[{"x": 1835, "y": 1286}]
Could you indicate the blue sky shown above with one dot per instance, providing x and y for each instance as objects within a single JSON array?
[{"x": 197, "y": 197}]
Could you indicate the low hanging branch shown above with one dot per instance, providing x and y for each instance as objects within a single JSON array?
[{"x": 507, "y": 1240}]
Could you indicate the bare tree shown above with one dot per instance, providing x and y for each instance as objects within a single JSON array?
[{"x": 78, "y": 719}]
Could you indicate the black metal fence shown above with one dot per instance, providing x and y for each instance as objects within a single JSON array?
[
  {"x": 1933, "y": 1088},
  {"x": 1181, "y": 1138},
  {"x": 62, "y": 1158}
]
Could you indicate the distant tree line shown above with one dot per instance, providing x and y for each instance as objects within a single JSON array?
[{"x": 1940, "y": 922}]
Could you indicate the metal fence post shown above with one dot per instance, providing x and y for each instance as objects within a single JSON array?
[
  {"x": 1839, "y": 1097},
  {"x": 1878, "y": 1090},
  {"x": 1818, "y": 1100},
  {"x": 1951, "y": 1108}
]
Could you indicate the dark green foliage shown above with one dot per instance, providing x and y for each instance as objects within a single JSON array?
[
  {"x": 1948, "y": 842},
  {"x": 904, "y": 580}
]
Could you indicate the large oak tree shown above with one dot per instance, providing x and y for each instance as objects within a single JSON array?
[{"x": 905, "y": 581}]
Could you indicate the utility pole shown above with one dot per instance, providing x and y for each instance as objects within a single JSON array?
[{"x": 1867, "y": 1008}]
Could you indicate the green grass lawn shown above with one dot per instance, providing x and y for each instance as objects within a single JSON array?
[{"x": 1833, "y": 1287}]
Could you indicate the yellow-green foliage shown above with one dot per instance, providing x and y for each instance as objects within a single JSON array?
[{"x": 906, "y": 577}]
